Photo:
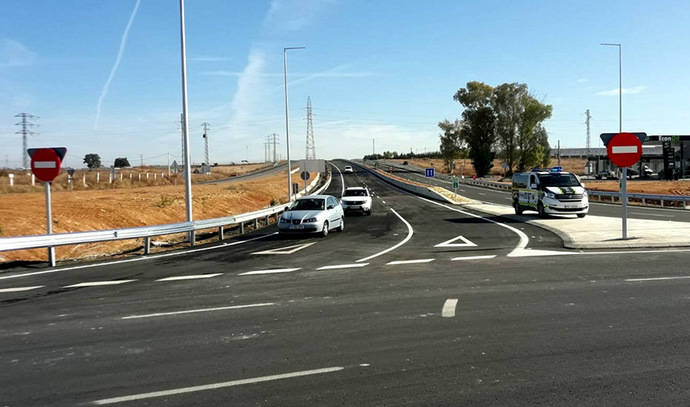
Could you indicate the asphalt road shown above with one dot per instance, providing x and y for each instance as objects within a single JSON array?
[
  {"x": 250, "y": 175},
  {"x": 504, "y": 198},
  {"x": 375, "y": 315}
]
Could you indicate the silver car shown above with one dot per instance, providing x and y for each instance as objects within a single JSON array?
[{"x": 313, "y": 214}]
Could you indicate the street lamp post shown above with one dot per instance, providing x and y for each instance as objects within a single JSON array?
[
  {"x": 287, "y": 120},
  {"x": 624, "y": 172},
  {"x": 185, "y": 125}
]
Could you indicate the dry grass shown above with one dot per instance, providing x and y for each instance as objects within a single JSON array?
[
  {"x": 464, "y": 166},
  {"x": 644, "y": 187},
  {"x": 24, "y": 213}
]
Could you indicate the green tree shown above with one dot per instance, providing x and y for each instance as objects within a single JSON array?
[
  {"x": 541, "y": 139},
  {"x": 507, "y": 102},
  {"x": 529, "y": 144},
  {"x": 121, "y": 162},
  {"x": 92, "y": 160},
  {"x": 478, "y": 124},
  {"x": 452, "y": 142}
]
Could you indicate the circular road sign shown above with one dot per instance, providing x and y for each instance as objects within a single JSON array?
[
  {"x": 45, "y": 164},
  {"x": 304, "y": 175},
  {"x": 624, "y": 149}
]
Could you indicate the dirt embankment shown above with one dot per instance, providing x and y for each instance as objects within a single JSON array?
[
  {"x": 643, "y": 187},
  {"x": 24, "y": 213}
]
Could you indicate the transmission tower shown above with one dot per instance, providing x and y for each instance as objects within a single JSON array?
[
  {"x": 205, "y": 125},
  {"x": 587, "y": 115},
  {"x": 274, "y": 140},
  {"x": 25, "y": 131},
  {"x": 310, "y": 154}
]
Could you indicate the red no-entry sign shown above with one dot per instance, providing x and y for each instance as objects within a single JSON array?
[
  {"x": 624, "y": 149},
  {"x": 46, "y": 162}
]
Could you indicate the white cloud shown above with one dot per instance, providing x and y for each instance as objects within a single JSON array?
[
  {"x": 293, "y": 15},
  {"x": 250, "y": 92},
  {"x": 626, "y": 91},
  {"x": 582, "y": 80},
  {"x": 123, "y": 42},
  {"x": 15, "y": 54}
]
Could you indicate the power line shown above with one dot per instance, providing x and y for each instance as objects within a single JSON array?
[{"x": 26, "y": 125}]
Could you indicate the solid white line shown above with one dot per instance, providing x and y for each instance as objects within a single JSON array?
[
  {"x": 294, "y": 171},
  {"x": 18, "y": 289},
  {"x": 473, "y": 258},
  {"x": 343, "y": 266},
  {"x": 524, "y": 240},
  {"x": 214, "y": 386},
  {"x": 410, "y": 232},
  {"x": 193, "y": 311},
  {"x": 98, "y": 283},
  {"x": 86, "y": 266},
  {"x": 342, "y": 179},
  {"x": 657, "y": 278},
  {"x": 624, "y": 149},
  {"x": 449, "y": 308},
  {"x": 190, "y": 277},
  {"x": 273, "y": 271},
  {"x": 382, "y": 201},
  {"x": 393, "y": 263}
]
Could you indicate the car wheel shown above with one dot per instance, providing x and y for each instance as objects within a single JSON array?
[
  {"x": 369, "y": 212},
  {"x": 540, "y": 209},
  {"x": 581, "y": 215},
  {"x": 518, "y": 208},
  {"x": 342, "y": 224},
  {"x": 324, "y": 232}
]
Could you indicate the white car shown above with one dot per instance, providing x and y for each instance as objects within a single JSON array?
[
  {"x": 348, "y": 169},
  {"x": 313, "y": 214},
  {"x": 356, "y": 199}
]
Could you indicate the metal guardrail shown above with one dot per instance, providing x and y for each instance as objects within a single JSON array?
[{"x": 146, "y": 232}]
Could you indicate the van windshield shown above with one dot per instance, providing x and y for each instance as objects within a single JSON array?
[{"x": 558, "y": 180}]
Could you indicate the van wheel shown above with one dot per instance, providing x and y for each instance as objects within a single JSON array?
[
  {"x": 516, "y": 206},
  {"x": 540, "y": 209},
  {"x": 581, "y": 215},
  {"x": 324, "y": 232}
]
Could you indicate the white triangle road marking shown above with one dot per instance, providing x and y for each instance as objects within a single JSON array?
[
  {"x": 449, "y": 243},
  {"x": 287, "y": 249}
]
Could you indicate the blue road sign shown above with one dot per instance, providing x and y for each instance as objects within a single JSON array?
[{"x": 430, "y": 172}]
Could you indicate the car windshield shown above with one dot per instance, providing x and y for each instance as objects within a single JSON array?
[
  {"x": 355, "y": 192},
  {"x": 308, "y": 205},
  {"x": 558, "y": 180}
]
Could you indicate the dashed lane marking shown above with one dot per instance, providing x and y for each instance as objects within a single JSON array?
[
  {"x": 98, "y": 283},
  {"x": 448, "y": 310},
  {"x": 214, "y": 386},
  {"x": 194, "y": 311},
  {"x": 271, "y": 271},
  {"x": 415, "y": 261},
  {"x": 632, "y": 280},
  {"x": 473, "y": 258},
  {"x": 190, "y": 277},
  {"x": 19, "y": 289},
  {"x": 343, "y": 266}
]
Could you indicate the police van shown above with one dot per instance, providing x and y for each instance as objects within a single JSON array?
[{"x": 549, "y": 191}]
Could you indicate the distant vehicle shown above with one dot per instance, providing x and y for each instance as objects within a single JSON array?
[
  {"x": 606, "y": 175},
  {"x": 356, "y": 199},
  {"x": 405, "y": 163},
  {"x": 313, "y": 214},
  {"x": 549, "y": 192},
  {"x": 348, "y": 170}
]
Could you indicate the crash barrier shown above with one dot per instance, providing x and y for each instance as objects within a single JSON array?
[{"x": 255, "y": 218}]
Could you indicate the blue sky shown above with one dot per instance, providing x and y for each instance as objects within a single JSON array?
[{"x": 374, "y": 69}]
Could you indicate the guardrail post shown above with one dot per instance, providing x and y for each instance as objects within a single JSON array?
[
  {"x": 256, "y": 224},
  {"x": 192, "y": 237},
  {"x": 644, "y": 202},
  {"x": 220, "y": 233},
  {"x": 241, "y": 228},
  {"x": 147, "y": 245},
  {"x": 268, "y": 220},
  {"x": 662, "y": 202},
  {"x": 613, "y": 198}
]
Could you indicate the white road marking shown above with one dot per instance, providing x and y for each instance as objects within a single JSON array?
[
  {"x": 18, "y": 289},
  {"x": 286, "y": 250},
  {"x": 382, "y": 201},
  {"x": 213, "y": 386},
  {"x": 98, "y": 283},
  {"x": 448, "y": 310},
  {"x": 410, "y": 232},
  {"x": 473, "y": 258},
  {"x": 624, "y": 149},
  {"x": 158, "y": 256},
  {"x": 190, "y": 277},
  {"x": 536, "y": 252},
  {"x": 393, "y": 263},
  {"x": 524, "y": 240},
  {"x": 657, "y": 278},
  {"x": 194, "y": 311},
  {"x": 272, "y": 271},
  {"x": 294, "y": 171},
  {"x": 652, "y": 214},
  {"x": 449, "y": 243},
  {"x": 343, "y": 266},
  {"x": 342, "y": 179}
]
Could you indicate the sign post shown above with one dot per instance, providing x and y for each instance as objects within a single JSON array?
[
  {"x": 624, "y": 150},
  {"x": 45, "y": 165}
]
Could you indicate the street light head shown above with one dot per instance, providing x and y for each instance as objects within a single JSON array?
[
  {"x": 610, "y": 44},
  {"x": 287, "y": 48}
]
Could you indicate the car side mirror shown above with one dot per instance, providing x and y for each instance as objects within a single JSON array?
[{"x": 330, "y": 207}]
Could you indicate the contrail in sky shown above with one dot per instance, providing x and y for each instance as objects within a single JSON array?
[{"x": 123, "y": 42}]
